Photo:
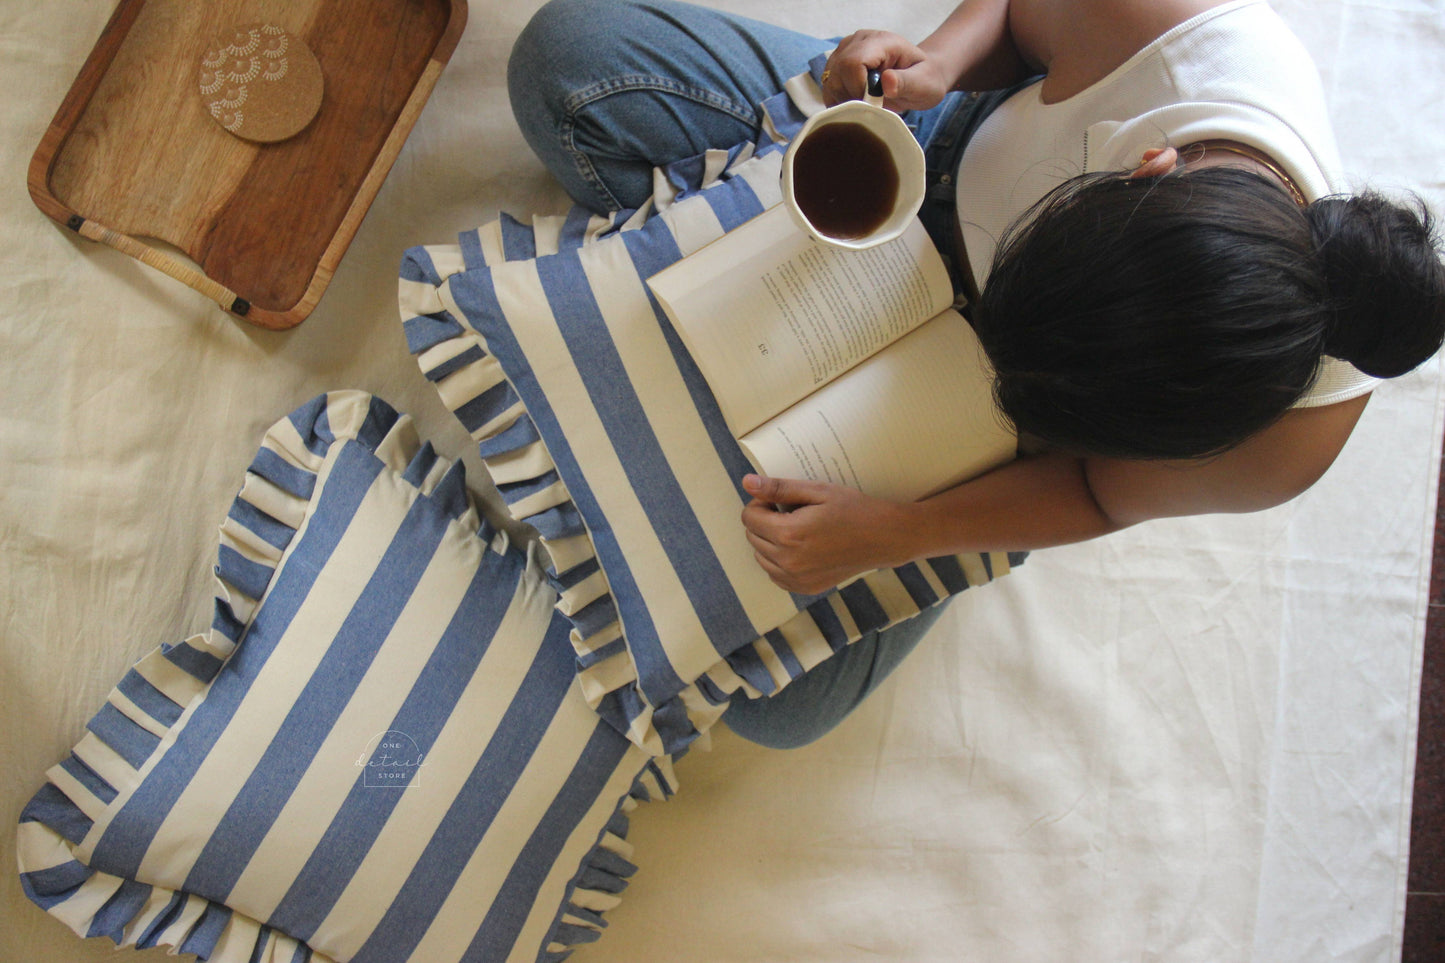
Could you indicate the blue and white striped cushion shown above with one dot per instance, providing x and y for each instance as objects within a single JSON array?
[
  {"x": 379, "y": 752},
  {"x": 600, "y": 432}
]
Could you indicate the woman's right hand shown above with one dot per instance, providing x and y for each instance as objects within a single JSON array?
[{"x": 911, "y": 79}]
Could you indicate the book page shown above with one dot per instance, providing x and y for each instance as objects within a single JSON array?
[
  {"x": 916, "y": 418},
  {"x": 769, "y": 314}
]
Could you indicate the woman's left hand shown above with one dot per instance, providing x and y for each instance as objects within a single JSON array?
[{"x": 809, "y": 536}]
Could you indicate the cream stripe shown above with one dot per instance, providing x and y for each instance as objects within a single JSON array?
[
  {"x": 520, "y": 293},
  {"x": 704, "y": 480},
  {"x": 452, "y": 758},
  {"x": 177, "y": 684},
  {"x": 372, "y": 708},
  {"x": 471, "y": 381},
  {"x": 238, "y": 750},
  {"x": 190, "y": 913},
  {"x": 156, "y": 904},
  {"x": 693, "y": 226},
  {"x": 106, "y": 762},
  {"x": 78, "y": 911},
  {"x": 567, "y": 553},
  {"x": 86, "y": 801},
  {"x": 973, "y": 569},
  {"x": 492, "y": 252},
  {"x": 274, "y": 501},
  {"x": 554, "y": 759},
  {"x": 578, "y": 845},
  {"x": 136, "y": 714}
]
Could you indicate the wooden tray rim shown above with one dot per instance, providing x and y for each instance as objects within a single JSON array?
[{"x": 87, "y": 82}]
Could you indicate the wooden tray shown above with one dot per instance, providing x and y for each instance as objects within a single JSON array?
[{"x": 132, "y": 152}]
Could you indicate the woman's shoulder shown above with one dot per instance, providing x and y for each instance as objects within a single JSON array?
[{"x": 1088, "y": 44}]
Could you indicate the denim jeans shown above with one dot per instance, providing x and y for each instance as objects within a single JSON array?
[{"x": 606, "y": 90}]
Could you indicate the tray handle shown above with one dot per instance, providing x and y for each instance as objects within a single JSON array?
[{"x": 170, "y": 266}]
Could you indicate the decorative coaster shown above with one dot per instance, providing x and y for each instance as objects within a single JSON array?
[{"x": 260, "y": 82}]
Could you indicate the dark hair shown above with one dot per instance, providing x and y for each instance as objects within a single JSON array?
[{"x": 1173, "y": 317}]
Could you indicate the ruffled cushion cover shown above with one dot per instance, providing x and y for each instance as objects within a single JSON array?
[
  {"x": 379, "y": 750},
  {"x": 600, "y": 432}
]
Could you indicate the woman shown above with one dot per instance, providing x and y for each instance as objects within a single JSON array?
[{"x": 1181, "y": 318}]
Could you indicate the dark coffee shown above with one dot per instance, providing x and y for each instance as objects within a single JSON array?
[{"x": 844, "y": 180}]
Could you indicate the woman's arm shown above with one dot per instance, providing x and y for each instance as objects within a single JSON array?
[
  {"x": 973, "y": 49},
  {"x": 831, "y": 533},
  {"x": 991, "y": 44}
]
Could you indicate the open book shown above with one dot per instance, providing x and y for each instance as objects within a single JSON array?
[{"x": 843, "y": 366}]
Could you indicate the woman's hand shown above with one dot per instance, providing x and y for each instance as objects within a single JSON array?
[
  {"x": 911, "y": 79},
  {"x": 809, "y": 536}
]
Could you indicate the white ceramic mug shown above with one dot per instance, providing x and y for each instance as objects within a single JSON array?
[{"x": 903, "y": 150}]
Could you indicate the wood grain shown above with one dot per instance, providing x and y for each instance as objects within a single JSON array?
[{"x": 133, "y": 152}]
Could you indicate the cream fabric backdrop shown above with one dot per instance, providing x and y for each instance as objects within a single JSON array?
[{"x": 1192, "y": 741}]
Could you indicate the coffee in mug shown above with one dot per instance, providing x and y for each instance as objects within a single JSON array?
[{"x": 853, "y": 177}]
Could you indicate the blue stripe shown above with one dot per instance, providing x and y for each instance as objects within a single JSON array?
[
  {"x": 278, "y": 471},
  {"x": 470, "y": 245},
  {"x": 122, "y": 734},
  {"x": 462, "y": 359},
  {"x": 380, "y": 419},
  {"x": 274, "y": 533},
  {"x": 557, "y": 522},
  {"x": 112, "y": 918},
  {"x": 149, "y": 936},
  {"x": 828, "y": 623},
  {"x": 746, "y": 662},
  {"x": 311, "y": 424},
  {"x": 124, "y": 844},
  {"x": 249, "y": 576},
  {"x": 949, "y": 572},
  {"x": 429, "y": 330},
  {"x": 477, "y": 299},
  {"x": 514, "y": 492},
  {"x": 225, "y": 622},
  {"x": 650, "y": 255},
  {"x": 206, "y": 932},
  {"x": 420, "y": 465},
  {"x": 427, "y": 709},
  {"x": 780, "y": 645},
  {"x": 602, "y": 653},
  {"x": 50, "y": 887},
  {"x": 736, "y": 205},
  {"x": 89, "y": 778},
  {"x": 153, "y": 701},
  {"x": 519, "y": 242},
  {"x": 430, "y": 881},
  {"x": 574, "y": 229},
  {"x": 868, "y": 614},
  {"x": 626, "y": 423},
  {"x": 52, "y": 807},
  {"x": 486, "y": 406},
  {"x": 518, "y": 434},
  {"x": 192, "y": 661},
  {"x": 417, "y": 265},
  {"x": 917, "y": 584},
  {"x": 450, "y": 496},
  {"x": 599, "y": 759},
  {"x": 576, "y": 574},
  {"x": 326, "y": 694}
]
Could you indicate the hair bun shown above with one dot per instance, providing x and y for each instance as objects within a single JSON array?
[{"x": 1382, "y": 263}]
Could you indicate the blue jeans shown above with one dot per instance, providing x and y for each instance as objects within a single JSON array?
[{"x": 606, "y": 90}]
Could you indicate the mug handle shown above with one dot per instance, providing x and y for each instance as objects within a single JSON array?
[{"x": 874, "y": 93}]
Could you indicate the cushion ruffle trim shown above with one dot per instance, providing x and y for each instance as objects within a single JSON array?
[
  {"x": 152, "y": 698},
  {"x": 473, "y": 384}
]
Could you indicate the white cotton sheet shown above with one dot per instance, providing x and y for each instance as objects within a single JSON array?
[{"x": 1191, "y": 741}]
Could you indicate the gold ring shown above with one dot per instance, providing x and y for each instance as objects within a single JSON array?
[{"x": 824, "y": 79}]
